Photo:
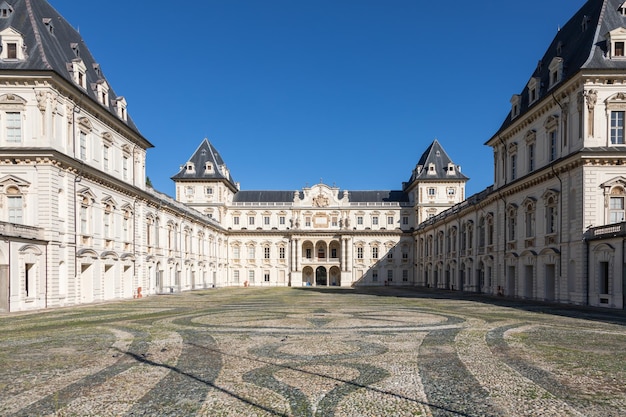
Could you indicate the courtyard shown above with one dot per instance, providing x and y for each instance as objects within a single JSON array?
[{"x": 314, "y": 352}]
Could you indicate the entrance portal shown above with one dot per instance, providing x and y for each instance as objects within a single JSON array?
[{"x": 321, "y": 277}]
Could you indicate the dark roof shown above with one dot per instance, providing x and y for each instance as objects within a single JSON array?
[
  {"x": 581, "y": 44},
  {"x": 287, "y": 196},
  {"x": 436, "y": 155},
  {"x": 377, "y": 197},
  {"x": 206, "y": 152},
  {"x": 264, "y": 197},
  {"x": 51, "y": 44}
]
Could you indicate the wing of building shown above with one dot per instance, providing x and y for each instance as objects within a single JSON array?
[{"x": 79, "y": 225}]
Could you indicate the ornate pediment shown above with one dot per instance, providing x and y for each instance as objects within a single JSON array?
[{"x": 319, "y": 196}]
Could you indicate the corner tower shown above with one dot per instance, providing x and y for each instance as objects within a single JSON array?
[
  {"x": 436, "y": 183},
  {"x": 204, "y": 182}
]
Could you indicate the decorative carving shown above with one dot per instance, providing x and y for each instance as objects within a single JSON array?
[
  {"x": 41, "y": 100},
  {"x": 321, "y": 201},
  {"x": 592, "y": 98}
]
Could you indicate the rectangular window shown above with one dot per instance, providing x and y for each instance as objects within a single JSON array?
[
  {"x": 125, "y": 168},
  {"x": 107, "y": 225},
  {"x": 266, "y": 253},
  {"x": 617, "y": 127},
  {"x": 389, "y": 275},
  {"x": 432, "y": 192},
  {"x": 390, "y": 254},
  {"x": 531, "y": 157},
  {"x": 308, "y": 253},
  {"x": 236, "y": 277},
  {"x": 359, "y": 253},
  {"x": 375, "y": 252},
  {"x": 333, "y": 253},
  {"x": 236, "y": 252},
  {"x": 83, "y": 220},
  {"x": 251, "y": 220},
  {"x": 105, "y": 157},
  {"x": 530, "y": 229},
  {"x": 251, "y": 277},
  {"x": 619, "y": 48},
  {"x": 451, "y": 192},
  {"x": 552, "y": 144},
  {"x": 11, "y": 50},
  {"x": 281, "y": 220},
  {"x": 375, "y": 221},
  {"x": 604, "y": 278},
  {"x": 405, "y": 275},
  {"x": 389, "y": 219},
  {"x": 209, "y": 190},
  {"x": 266, "y": 276},
  {"x": 251, "y": 252},
  {"x": 405, "y": 220},
  {"x": 513, "y": 166},
  {"x": 359, "y": 220},
  {"x": 14, "y": 127},
  {"x": 307, "y": 221},
  {"x": 236, "y": 220},
  {"x": 281, "y": 253},
  {"x": 334, "y": 221},
  {"x": 551, "y": 220},
  {"x": 15, "y": 209},
  {"x": 616, "y": 210},
  {"x": 189, "y": 191},
  {"x": 375, "y": 276},
  {"x": 266, "y": 220}
]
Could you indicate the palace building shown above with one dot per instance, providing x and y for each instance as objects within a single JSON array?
[{"x": 78, "y": 223}]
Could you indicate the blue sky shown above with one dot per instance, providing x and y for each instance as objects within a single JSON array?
[{"x": 294, "y": 91}]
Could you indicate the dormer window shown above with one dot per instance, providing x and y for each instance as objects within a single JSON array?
[
  {"x": 12, "y": 45},
  {"x": 515, "y": 105},
  {"x": 616, "y": 41},
  {"x": 120, "y": 104},
  {"x": 559, "y": 48},
  {"x": 79, "y": 72},
  {"x": 585, "y": 23},
  {"x": 208, "y": 167},
  {"x": 102, "y": 92},
  {"x": 622, "y": 9},
  {"x": 76, "y": 49},
  {"x": 190, "y": 168},
  {"x": 450, "y": 168},
  {"x": 431, "y": 169},
  {"x": 5, "y": 10},
  {"x": 556, "y": 71},
  {"x": 533, "y": 89},
  {"x": 48, "y": 23}
]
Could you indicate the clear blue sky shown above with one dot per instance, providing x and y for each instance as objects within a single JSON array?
[{"x": 294, "y": 91}]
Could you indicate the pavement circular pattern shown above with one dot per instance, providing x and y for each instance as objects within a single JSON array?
[{"x": 292, "y": 352}]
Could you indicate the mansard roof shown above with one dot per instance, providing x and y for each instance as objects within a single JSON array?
[
  {"x": 205, "y": 157},
  {"x": 52, "y": 44},
  {"x": 580, "y": 44},
  {"x": 287, "y": 197},
  {"x": 436, "y": 157}
]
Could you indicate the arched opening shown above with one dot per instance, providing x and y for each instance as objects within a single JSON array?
[
  {"x": 307, "y": 276},
  {"x": 321, "y": 276},
  {"x": 335, "y": 276}
]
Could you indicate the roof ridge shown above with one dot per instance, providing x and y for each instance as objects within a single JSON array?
[
  {"x": 594, "y": 45},
  {"x": 33, "y": 22}
]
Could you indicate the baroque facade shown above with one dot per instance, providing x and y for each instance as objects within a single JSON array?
[{"x": 78, "y": 223}]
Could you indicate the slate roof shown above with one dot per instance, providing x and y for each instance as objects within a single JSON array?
[
  {"x": 436, "y": 155},
  {"x": 579, "y": 48},
  {"x": 53, "y": 49},
  {"x": 206, "y": 152},
  {"x": 287, "y": 196},
  {"x": 377, "y": 197}
]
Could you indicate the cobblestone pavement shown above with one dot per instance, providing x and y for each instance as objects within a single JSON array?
[{"x": 308, "y": 352}]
